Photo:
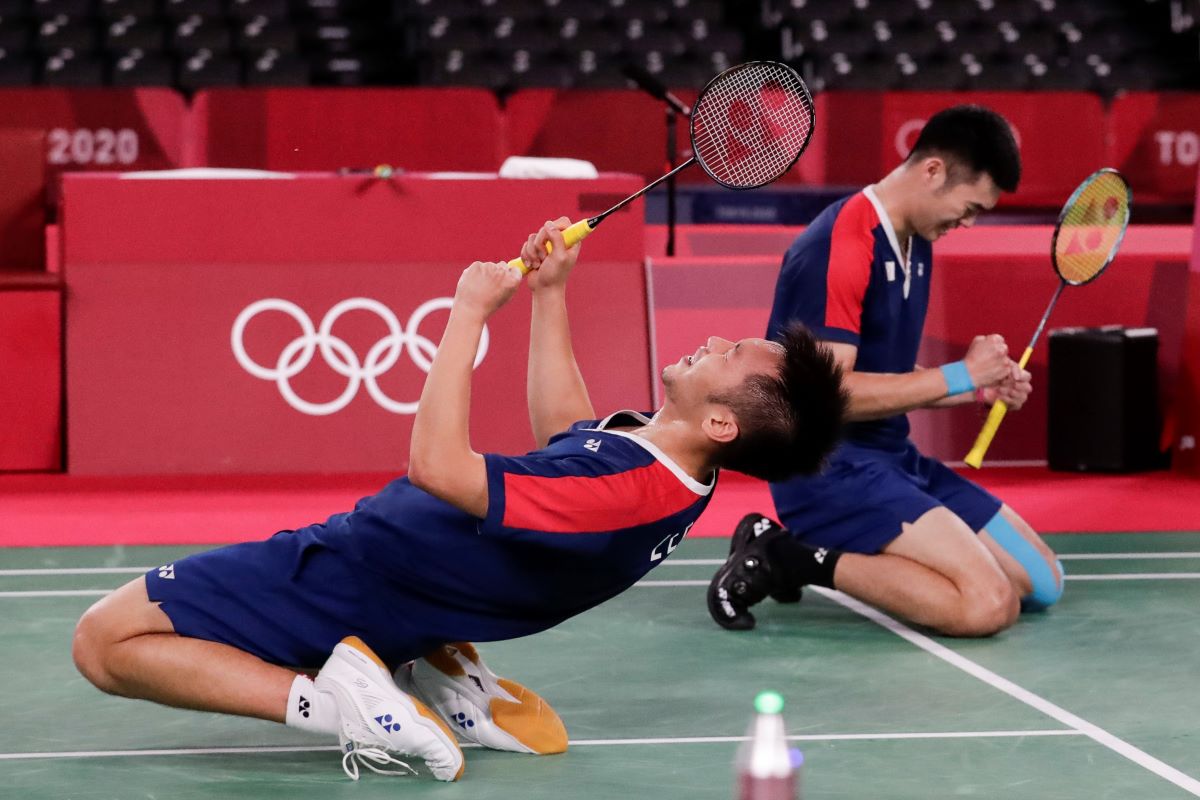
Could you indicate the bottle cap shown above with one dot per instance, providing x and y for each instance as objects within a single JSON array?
[{"x": 768, "y": 703}]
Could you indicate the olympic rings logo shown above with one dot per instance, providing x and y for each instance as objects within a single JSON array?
[{"x": 339, "y": 356}]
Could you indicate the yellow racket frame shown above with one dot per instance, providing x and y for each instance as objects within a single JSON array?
[{"x": 1068, "y": 217}]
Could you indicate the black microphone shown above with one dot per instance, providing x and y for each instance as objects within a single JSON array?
[{"x": 653, "y": 86}]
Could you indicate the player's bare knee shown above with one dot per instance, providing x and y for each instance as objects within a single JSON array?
[
  {"x": 987, "y": 610},
  {"x": 90, "y": 647}
]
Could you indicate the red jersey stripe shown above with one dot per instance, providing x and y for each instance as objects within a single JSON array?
[
  {"x": 575, "y": 504},
  {"x": 851, "y": 251}
]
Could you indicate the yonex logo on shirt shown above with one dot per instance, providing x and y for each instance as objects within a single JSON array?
[
  {"x": 167, "y": 572},
  {"x": 593, "y": 445}
]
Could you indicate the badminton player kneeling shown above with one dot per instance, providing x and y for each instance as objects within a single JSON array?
[
  {"x": 467, "y": 547},
  {"x": 885, "y": 523}
]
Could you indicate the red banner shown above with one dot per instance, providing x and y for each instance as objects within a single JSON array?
[
  {"x": 101, "y": 129},
  {"x": 1060, "y": 135},
  {"x": 330, "y": 129},
  {"x": 1155, "y": 141},
  {"x": 287, "y": 325}
]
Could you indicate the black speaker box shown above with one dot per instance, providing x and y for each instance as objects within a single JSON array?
[{"x": 1103, "y": 400}]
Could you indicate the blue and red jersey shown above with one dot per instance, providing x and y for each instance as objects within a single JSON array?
[
  {"x": 567, "y": 527},
  {"x": 847, "y": 278}
]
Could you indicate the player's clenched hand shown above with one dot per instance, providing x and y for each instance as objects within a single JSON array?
[
  {"x": 485, "y": 286},
  {"x": 987, "y": 360},
  {"x": 549, "y": 269},
  {"x": 1013, "y": 390}
]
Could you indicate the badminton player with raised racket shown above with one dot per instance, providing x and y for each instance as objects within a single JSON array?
[
  {"x": 467, "y": 547},
  {"x": 883, "y": 522}
]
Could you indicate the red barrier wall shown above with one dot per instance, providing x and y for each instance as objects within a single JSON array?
[
  {"x": 621, "y": 130},
  {"x": 987, "y": 279},
  {"x": 1060, "y": 135},
  {"x": 101, "y": 129},
  {"x": 1154, "y": 138},
  {"x": 155, "y": 382},
  {"x": 328, "y": 129},
  {"x": 30, "y": 362},
  {"x": 22, "y": 198}
]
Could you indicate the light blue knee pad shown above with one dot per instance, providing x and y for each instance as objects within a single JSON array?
[{"x": 1046, "y": 590}]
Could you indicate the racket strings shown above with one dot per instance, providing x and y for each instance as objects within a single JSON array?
[
  {"x": 1091, "y": 228},
  {"x": 751, "y": 124}
]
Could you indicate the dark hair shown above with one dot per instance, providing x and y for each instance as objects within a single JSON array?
[
  {"x": 787, "y": 423},
  {"x": 976, "y": 138}
]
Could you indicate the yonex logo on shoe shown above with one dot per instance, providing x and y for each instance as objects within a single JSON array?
[
  {"x": 462, "y": 720},
  {"x": 593, "y": 445},
  {"x": 761, "y": 526},
  {"x": 385, "y": 721},
  {"x": 167, "y": 572},
  {"x": 304, "y": 705},
  {"x": 819, "y": 556}
]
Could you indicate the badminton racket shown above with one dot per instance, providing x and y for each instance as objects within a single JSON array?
[
  {"x": 1086, "y": 239},
  {"x": 748, "y": 127}
]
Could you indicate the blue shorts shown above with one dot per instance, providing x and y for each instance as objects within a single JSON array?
[
  {"x": 288, "y": 600},
  {"x": 860, "y": 501}
]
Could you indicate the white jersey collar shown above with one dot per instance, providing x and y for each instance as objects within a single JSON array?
[
  {"x": 687, "y": 480},
  {"x": 902, "y": 258}
]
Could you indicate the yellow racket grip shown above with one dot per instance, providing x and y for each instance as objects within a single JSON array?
[
  {"x": 984, "y": 440},
  {"x": 572, "y": 235}
]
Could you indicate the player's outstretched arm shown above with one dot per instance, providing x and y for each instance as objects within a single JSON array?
[
  {"x": 441, "y": 460},
  {"x": 557, "y": 395}
]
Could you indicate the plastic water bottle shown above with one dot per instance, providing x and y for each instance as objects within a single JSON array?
[{"x": 767, "y": 769}]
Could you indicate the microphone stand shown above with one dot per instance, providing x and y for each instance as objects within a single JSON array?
[
  {"x": 671, "y": 117},
  {"x": 675, "y": 108}
]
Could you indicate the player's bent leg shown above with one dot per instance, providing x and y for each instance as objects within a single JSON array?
[
  {"x": 479, "y": 706},
  {"x": 126, "y": 645},
  {"x": 117, "y": 617},
  {"x": 936, "y": 573},
  {"x": 378, "y": 721},
  {"x": 1027, "y": 560}
]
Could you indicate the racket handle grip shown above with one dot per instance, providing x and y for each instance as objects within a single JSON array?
[
  {"x": 572, "y": 236},
  {"x": 984, "y": 440}
]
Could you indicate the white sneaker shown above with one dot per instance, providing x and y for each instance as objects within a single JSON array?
[
  {"x": 480, "y": 707},
  {"x": 378, "y": 720}
]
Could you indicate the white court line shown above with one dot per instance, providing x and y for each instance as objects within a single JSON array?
[
  {"x": 1094, "y": 732},
  {"x": 1116, "y": 576},
  {"x": 716, "y": 562},
  {"x": 59, "y": 593},
  {"x": 671, "y": 562},
  {"x": 1124, "y": 556},
  {"x": 77, "y": 571},
  {"x": 139, "y": 570},
  {"x": 1136, "y": 576},
  {"x": 832, "y": 737}
]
